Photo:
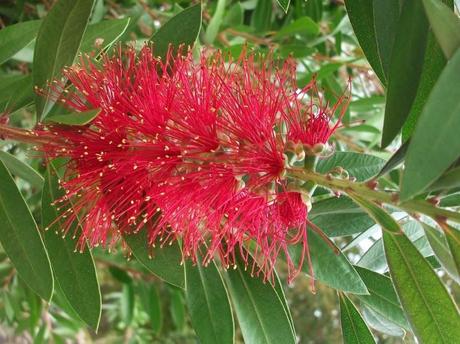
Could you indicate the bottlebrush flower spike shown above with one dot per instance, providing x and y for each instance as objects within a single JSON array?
[{"x": 189, "y": 150}]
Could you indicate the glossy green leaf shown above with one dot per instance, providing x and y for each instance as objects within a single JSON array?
[
  {"x": 165, "y": 262},
  {"x": 382, "y": 297},
  {"x": 259, "y": 310},
  {"x": 21, "y": 240},
  {"x": 435, "y": 144},
  {"x": 360, "y": 166},
  {"x": 354, "y": 329},
  {"x": 177, "y": 308},
  {"x": 100, "y": 36},
  {"x": 15, "y": 37},
  {"x": 438, "y": 243},
  {"x": 208, "y": 304},
  {"x": 284, "y": 4},
  {"x": 215, "y": 22},
  {"x": 405, "y": 68},
  {"x": 330, "y": 267},
  {"x": 445, "y": 25},
  {"x": 381, "y": 324},
  {"x": 16, "y": 91},
  {"x": 396, "y": 159},
  {"x": 21, "y": 169},
  {"x": 453, "y": 240},
  {"x": 57, "y": 44},
  {"x": 386, "y": 17},
  {"x": 449, "y": 180},
  {"x": 183, "y": 28},
  {"x": 75, "y": 272},
  {"x": 75, "y": 118},
  {"x": 430, "y": 309},
  {"x": 280, "y": 292},
  {"x": 361, "y": 14},
  {"x": 433, "y": 65}
]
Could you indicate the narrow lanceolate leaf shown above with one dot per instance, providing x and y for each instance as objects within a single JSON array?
[
  {"x": 361, "y": 14},
  {"x": 445, "y": 25},
  {"x": 382, "y": 297},
  {"x": 215, "y": 22},
  {"x": 453, "y": 239},
  {"x": 259, "y": 310},
  {"x": 354, "y": 329},
  {"x": 438, "y": 243},
  {"x": 430, "y": 309},
  {"x": 15, "y": 37},
  {"x": 101, "y": 36},
  {"x": 75, "y": 118},
  {"x": 183, "y": 28},
  {"x": 381, "y": 324},
  {"x": 435, "y": 143},
  {"x": 165, "y": 262},
  {"x": 386, "y": 17},
  {"x": 208, "y": 304},
  {"x": 20, "y": 238},
  {"x": 284, "y": 4},
  {"x": 21, "y": 169},
  {"x": 151, "y": 303},
  {"x": 360, "y": 166},
  {"x": 75, "y": 272},
  {"x": 433, "y": 65},
  {"x": 329, "y": 267},
  {"x": 405, "y": 68},
  {"x": 16, "y": 91},
  {"x": 57, "y": 44},
  {"x": 396, "y": 159},
  {"x": 449, "y": 180}
]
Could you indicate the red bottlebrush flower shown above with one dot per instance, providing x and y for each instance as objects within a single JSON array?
[{"x": 189, "y": 149}]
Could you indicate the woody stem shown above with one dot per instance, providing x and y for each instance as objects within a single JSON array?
[{"x": 392, "y": 198}]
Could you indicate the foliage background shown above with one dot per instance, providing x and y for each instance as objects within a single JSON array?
[{"x": 390, "y": 91}]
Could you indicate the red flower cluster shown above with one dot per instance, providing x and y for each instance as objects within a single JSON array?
[{"x": 190, "y": 150}]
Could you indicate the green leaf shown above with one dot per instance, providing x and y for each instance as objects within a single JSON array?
[
  {"x": 262, "y": 16},
  {"x": 438, "y": 243},
  {"x": 74, "y": 118},
  {"x": 215, "y": 22},
  {"x": 453, "y": 239},
  {"x": 280, "y": 292},
  {"x": 21, "y": 169},
  {"x": 330, "y": 267},
  {"x": 361, "y": 14},
  {"x": 381, "y": 324},
  {"x": 379, "y": 215},
  {"x": 208, "y": 304},
  {"x": 164, "y": 262},
  {"x": 382, "y": 297},
  {"x": 177, "y": 308},
  {"x": 433, "y": 65},
  {"x": 396, "y": 159},
  {"x": 16, "y": 91},
  {"x": 107, "y": 31},
  {"x": 284, "y": 4},
  {"x": 127, "y": 303},
  {"x": 386, "y": 16},
  {"x": 151, "y": 303},
  {"x": 354, "y": 329},
  {"x": 445, "y": 25},
  {"x": 75, "y": 272},
  {"x": 360, "y": 166},
  {"x": 449, "y": 180},
  {"x": 405, "y": 68},
  {"x": 428, "y": 306},
  {"x": 435, "y": 144},
  {"x": 20, "y": 238},
  {"x": 15, "y": 37},
  {"x": 302, "y": 26},
  {"x": 259, "y": 310},
  {"x": 183, "y": 28},
  {"x": 57, "y": 44}
]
